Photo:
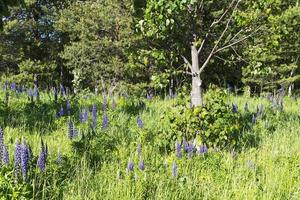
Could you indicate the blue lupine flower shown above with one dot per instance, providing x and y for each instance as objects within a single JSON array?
[
  {"x": 61, "y": 111},
  {"x": 58, "y": 160},
  {"x": 41, "y": 162},
  {"x": 5, "y": 155},
  {"x": 191, "y": 148},
  {"x": 19, "y": 89},
  {"x": 94, "y": 116},
  {"x": 1, "y": 144},
  {"x": 141, "y": 165},
  {"x": 139, "y": 122},
  {"x": 149, "y": 96},
  {"x": 69, "y": 109},
  {"x": 234, "y": 108},
  {"x": 104, "y": 104},
  {"x": 61, "y": 89},
  {"x": 139, "y": 150},
  {"x": 35, "y": 90},
  {"x": 174, "y": 170},
  {"x": 13, "y": 86},
  {"x": 203, "y": 149},
  {"x": 246, "y": 107},
  {"x": 178, "y": 149},
  {"x": 105, "y": 121},
  {"x": 85, "y": 114},
  {"x": 72, "y": 132},
  {"x": 253, "y": 119},
  {"x": 24, "y": 159},
  {"x": 185, "y": 145},
  {"x": 17, "y": 157},
  {"x": 130, "y": 165}
]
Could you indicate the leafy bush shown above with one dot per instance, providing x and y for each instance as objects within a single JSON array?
[{"x": 214, "y": 124}]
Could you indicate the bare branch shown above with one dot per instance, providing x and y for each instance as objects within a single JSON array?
[
  {"x": 236, "y": 42},
  {"x": 220, "y": 38},
  {"x": 224, "y": 14},
  {"x": 187, "y": 62}
]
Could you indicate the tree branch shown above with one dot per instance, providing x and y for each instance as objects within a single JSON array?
[{"x": 187, "y": 62}]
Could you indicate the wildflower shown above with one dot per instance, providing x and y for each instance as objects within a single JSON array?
[
  {"x": 174, "y": 170},
  {"x": 203, "y": 149},
  {"x": 69, "y": 109},
  {"x": 149, "y": 96},
  {"x": 85, "y": 115},
  {"x": 191, "y": 148},
  {"x": 58, "y": 159},
  {"x": 13, "y": 86},
  {"x": 94, "y": 116},
  {"x": 5, "y": 155},
  {"x": 185, "y": 145},
  {"x": 105, "y": 121},
  {"x": 1, "y": 144},
  {"x": 141, "y": 165},
  {"x": 139, "y": 122},
  {"x": 17, "y": 156},
  {"x": 234, "y": 108},
  {"x": 24, "y": 159},
  {"x": 253, "y": 119},
  {"x": 61, "y": 89},
  {"x": 41, "y": 162},
  {"x": 130, "y": 165},
  {"x": 178, "y": 149},
  {"x": 72, "y": 132},
  {"x": 80, "y": 117}
]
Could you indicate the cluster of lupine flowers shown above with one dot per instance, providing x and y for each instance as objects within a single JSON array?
[{"x": 23, "y": 156}]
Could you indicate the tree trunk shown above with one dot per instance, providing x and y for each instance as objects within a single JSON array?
[{"x": 196, "y": 94}]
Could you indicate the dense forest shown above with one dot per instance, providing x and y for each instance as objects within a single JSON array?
[{"x": 138, "y": 45}]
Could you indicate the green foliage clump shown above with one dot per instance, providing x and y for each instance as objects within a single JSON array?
[{"x": 214, "y": 124}]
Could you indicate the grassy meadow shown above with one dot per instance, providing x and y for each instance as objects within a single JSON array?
[{"x": 128, "y": 154}]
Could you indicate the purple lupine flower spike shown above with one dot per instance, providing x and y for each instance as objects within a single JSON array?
[
  {"x": 69, "y": 108},
  {"x": 203, "y": 149},
  {"x": 141, "y": 165},
  {"x": 94, "y": 116},
  {"x": 174, "y": 170},
  {"x": 139, "y": 122},
  {"x": 130, "y": 165},
  {"x": 185, "y": 145},
  {"x": 41, "y": 162},
  {"x": 24, "y": 159},
  {"x": 85, "y": 115},
  {"x": 234, "y": 108},
  {"x": 105, "y": 121},
  {"x": 17, "y": 157},
  {"x": 5, "y": 155},
  {"x": 71, "y": 129}
]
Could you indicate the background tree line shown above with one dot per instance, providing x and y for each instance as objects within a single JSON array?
[{"x": 142, "y": 46}]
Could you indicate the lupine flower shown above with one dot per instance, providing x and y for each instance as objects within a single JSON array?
[
  {"x": 85, "y": 114},
  {"x": 234, "y": 108},
  {"x": 5, "y": 155},
  {"x": 185, "y": 145},
  {"x": 105, "y": 121},
  {"x": 139, "y": 150},
  {"x": 141, "y": 165},
  {"x": 149, "y": 96},
  {"x": 191, "y": 149},
  {"x": 24, "y": 159},
  {"x": 203, "y": 149},
  {"x": 269, "y": 97},
  {"x": 58, "y": 159},
  {"x": 94, "y": 116},
  {"x": 104, "y": 104},
  {"x": 13, "y": 86},
  {"x": 1, "y": 144},
  {"x": 61, "y": 89},
  {"x": 41, "y": 162},
  {"x": 139, "y": 122},
  {"x": 35, "y": 90},
  {"x": 246, "y": 107},
  {"x": 72, "y": 132},
  {"x": 174, "y": 170},
  {"x": 69, "y": 109},
  {"x": 130, "y": 165},
  {"x": 253, "y": 119},
  {"x": 61, "y": 111},
  {"x": 17, "y": 156},
  {"x": 19, "y": 89},
  {"x": 178, "y": 149},
  {"x": 80, "y": 117},
  {"x": 261, "y": 109}
]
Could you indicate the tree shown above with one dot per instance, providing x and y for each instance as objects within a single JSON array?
[
  {"x": 207, "y": 27},
  {"x": 4, "y": 10}
]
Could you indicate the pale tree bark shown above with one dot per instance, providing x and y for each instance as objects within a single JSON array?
[{"x": 195, "y": 68}]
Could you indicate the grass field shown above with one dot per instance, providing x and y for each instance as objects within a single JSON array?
[{"x": 98, "y": 166}]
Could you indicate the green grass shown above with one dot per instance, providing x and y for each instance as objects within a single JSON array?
[{"x": 216, "y": 175}]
